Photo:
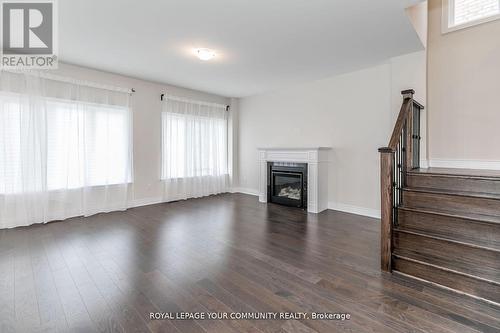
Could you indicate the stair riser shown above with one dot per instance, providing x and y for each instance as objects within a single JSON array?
[
  {"x": 469, "y": 231},
  {"x": 454, "y": 183},
  {"x": 455, "y": 203},
  {"x": 452, "y": 280},
  {"x": 479, "y": 262}
]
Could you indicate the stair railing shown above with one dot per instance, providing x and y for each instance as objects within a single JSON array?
[{"x": 402, "y": 154}]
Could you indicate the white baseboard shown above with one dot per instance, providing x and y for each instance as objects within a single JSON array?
[
  {"x": 145, "y": 202},
  {"x": 465, "y": 164},
  {"x": 424, "y": 164},
  {"x": 249, "y": 191},
  {"x": 375, "y": 213},
  {"x": 157, "y": 200}
]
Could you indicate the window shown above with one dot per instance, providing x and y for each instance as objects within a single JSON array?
[
  {"x": 63, "y": 144},
  {"x": 65, "y": 148},
  {"x": 458, "y": 14},
  {"x": 194, "y": 139}
]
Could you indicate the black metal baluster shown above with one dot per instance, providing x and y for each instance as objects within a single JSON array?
[
  {"x": 395, "y": 186},
  {"x": 416, "y": 136}
]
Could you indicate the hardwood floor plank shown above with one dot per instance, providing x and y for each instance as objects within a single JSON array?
[
  {"x": 234, "y": 303},
  {"x": 26, "y": 301},
  {"x": 51, "y": 310},
  {"x": 225, "y": 253},
  {"x": 357, "y": 294},
  {"x": 187, "y": 302},
  {"x": 102, "y": 296},
  {"x": 73, "y": 305},
  {"x": 7, "y": 281}
]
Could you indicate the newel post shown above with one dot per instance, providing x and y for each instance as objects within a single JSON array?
[{"x": 386, "y": 183}]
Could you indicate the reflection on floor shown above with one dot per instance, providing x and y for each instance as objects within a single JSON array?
[{"x": 225, "y": 253}]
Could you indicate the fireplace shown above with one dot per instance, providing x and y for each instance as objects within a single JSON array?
[
  {"x": 315, "y": 163},
  {"x": 287, "y": 184}
]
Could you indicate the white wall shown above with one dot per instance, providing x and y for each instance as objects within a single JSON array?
[
  {"x": 146, "y": 107},
  {"x": 463, "y": 81},
  {"x": 352, "y": 113},
  {"x": 409, "y": 71},
  {"x": 419, "y": 19}
]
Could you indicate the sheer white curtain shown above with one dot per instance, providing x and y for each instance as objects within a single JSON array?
[
  {"x": 65, "y": 149},
  {"x": 194, "y": 148}
]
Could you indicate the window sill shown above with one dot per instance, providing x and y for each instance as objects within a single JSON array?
[{"x": 446, "y": 29}]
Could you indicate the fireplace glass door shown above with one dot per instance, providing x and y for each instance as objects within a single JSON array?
[{"x": 287, "y": 185}]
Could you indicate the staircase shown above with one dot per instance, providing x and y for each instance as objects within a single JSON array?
[
  {"x": 439, "y": 225},
  {"x": 448, "y": 230}
]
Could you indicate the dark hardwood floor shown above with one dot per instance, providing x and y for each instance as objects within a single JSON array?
[{"x": 225, "y": 253}]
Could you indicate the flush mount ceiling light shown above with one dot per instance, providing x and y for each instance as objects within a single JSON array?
[{"x": 205, "y": 54}]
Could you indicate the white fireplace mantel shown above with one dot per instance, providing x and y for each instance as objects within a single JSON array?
[{"x": 317, "y": 159}]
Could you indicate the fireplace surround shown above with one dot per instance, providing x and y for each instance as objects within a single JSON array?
[{"x": 316, "y": 163}]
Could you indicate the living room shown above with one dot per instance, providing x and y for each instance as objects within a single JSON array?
[{"x": 230, "y": 166}]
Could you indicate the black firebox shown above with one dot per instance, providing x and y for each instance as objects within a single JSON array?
[{"x": 287, "y": 183}]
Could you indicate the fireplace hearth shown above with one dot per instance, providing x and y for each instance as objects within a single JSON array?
[{"x": 287, "y": 184}]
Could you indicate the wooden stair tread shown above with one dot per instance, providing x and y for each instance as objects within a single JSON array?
[
  {"x": 445, "y": 239},
  {"x": 453, "y": 192},
  {"x": 415, "y": 257},
  {"x": 471, "y": 259},
  {"x": 459, "y": 173},
  {"x": 463, "y": 240},
  {"x": 439, "y": 276},
  {"x": 440, "y": 289},
  {"x": 462, "y": 215}
]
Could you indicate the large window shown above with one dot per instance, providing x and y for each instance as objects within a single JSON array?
[
  {"x": 62, "y": 145},
  {"x": 194, "y": 139},
  {"x": 458, "y": 14},
  {"x": 65, "y": 148}
]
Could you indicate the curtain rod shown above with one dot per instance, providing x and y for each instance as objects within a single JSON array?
[
  {"x": 65, "y": 79},
  {"x": 162, "y": 97}
]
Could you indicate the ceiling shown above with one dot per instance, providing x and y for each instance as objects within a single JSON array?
[{"x": 261, "y": 45}]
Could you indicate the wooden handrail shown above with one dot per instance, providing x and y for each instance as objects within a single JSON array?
[
  {"x": 396, "y": 159},
  {"x": 404, "y": 113},
  {"x": 400, "y": 123}
]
